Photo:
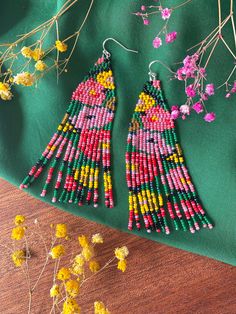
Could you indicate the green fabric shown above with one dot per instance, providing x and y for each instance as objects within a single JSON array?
[{"x": 29, "y": 120}]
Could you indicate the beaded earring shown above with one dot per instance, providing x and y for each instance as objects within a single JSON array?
[
  {"x": 157, "y": 177},
  {"x": 82, "y": 141}
]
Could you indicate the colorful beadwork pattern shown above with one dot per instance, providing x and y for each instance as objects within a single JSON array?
[
  {"x": 82, "y": 142},
  {"x": 157, "y": 178}
]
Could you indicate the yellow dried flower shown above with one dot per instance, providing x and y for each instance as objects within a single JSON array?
[
  {"x": 83, "y": 241},
  {"x": 76, "y": 269},
  {"x": 63, "y": 274},
  {"x": 97, "y": 238},
  {"x": 94, "y": 266},
  {"x": 79, "y": 260},
  {"x": 54, "y": 291},
  {"x": 24, "y": 78},
  {"x": 72, "y": 287},
  {"x": 121, "y": 253},
  {"x": 61, "y": 231},
  {"x": 62, "y": 47},
  {"x": 57, "y": 251},
  {"x": 19, "y": 219},
  {"x": 26, "y": 52},
  {"x": 87, "y": 253},
  {"x": 40, "y": 65},
  {"x": 122, "y": 264},
  {"x": 99, "y": 308},
  {"x": 18, "y": 233},
  {"x": 37, "y": 54},
  {"x": 5, "y": 93},
  {"x": 18, "y": 257},
  {"x": 70, "y": 306},
  {"x": 4, "y": 87}
]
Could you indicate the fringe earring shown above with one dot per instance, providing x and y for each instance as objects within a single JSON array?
[
  {"x": 82, "y": 142},
  {"x": 156, "y": 174}
]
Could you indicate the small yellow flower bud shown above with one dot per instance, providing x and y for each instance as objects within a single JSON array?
[{"x": 62, "y": 47}]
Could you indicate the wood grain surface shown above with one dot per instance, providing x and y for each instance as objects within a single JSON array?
[{"x": 159, "y": 279}]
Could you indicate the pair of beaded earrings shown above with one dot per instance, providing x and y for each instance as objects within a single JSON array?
[{"x": 158, "y": 180}]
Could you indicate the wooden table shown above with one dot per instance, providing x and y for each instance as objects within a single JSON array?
[{"x": 161, "y": 280}]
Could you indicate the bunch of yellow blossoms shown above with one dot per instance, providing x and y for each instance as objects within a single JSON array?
[
  {"x": 68, "y": 278},
  {"x": 26, "y": 78}
]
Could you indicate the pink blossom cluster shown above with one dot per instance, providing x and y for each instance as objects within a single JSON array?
[
  {"x": 196, "y": 92},
  {"x": 165, "y": 15}
]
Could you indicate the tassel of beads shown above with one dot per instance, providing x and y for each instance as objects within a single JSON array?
[
  {"x": 160, "y": 187},
  {"x": 81, "y": 143}
]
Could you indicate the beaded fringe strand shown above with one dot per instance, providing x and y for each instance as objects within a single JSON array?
[
  {"x": 156, "y": 175},
  {"x": 82, "y": 142}
]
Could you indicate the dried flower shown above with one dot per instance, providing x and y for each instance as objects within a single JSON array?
[
  {"x": 76, "y": 269},
  {"x": 175, "y": 112},
  {"x": 61, "y": 231},
  {"x": 79, "y": 260},
  {"x": 72, "y": 287},
  {"x": 18, "y": 233},
  {"x": 198, "y": 107},
  {"x": 170, "y": 37},
  {"x": 185, "y": 109},
  {"x": 63, "y": 274},
  {"x": 54, "y": 291},
  {"x": 83, "y": 241},
  {"x": 146, "y": 22},
  {"x": 94, "y": 266},
  {"x": 87, "y": 253},
  {"x": 121, "y": 253},
  {"x": 122, "y": 264},
  {"x": 37, "y": 54},
  {"x": 19, "y": 219},
  {"x": 62, "y": 47},
  {"x": 157, "y": 42},
  {"x": 209, "y": 117},
  {"x": 18, "y": 257},
  {"x": 210, "y": 89},
  {"x": 57, "y": 251},
  {"x": 99, "y": 308},
  {"x": 190, "y": 91},
  {"x": 5, "y": 93},
  {"x": 24, "y": 78},
  {"x": 70, "y": 306},
  {"x": 97, "y": 238},
  {"x": 26, "y": 52},
  {"x": 40, "y": 66},
  {"x": 166, "y": 13}
]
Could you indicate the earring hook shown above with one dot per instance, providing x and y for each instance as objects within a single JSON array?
[
  {"x": 152, "y": 75},
  {"x": 107, "y": 53}
]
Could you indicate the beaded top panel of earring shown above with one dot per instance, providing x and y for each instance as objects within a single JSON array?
[
  {"x": 81, "y": 143},
  {"x": 157, "y": 177}
]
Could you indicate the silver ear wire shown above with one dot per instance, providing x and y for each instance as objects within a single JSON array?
[
  {"x": 107, "y": 53},
  {"x": 152, "y": 75}
]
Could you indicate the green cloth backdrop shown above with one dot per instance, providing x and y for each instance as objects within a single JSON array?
[{"x": 28, "y": 121}]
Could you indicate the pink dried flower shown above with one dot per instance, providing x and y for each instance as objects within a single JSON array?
[
  {"x": 198, "y": 107},
  {"x": 209, "y": 117},
  {"x": 143, "y": 8},
  {"x": 204, "y": 96},
  {"x": 146, "y": 22},
  {"x": 175, "y": 113},
  {"x": 170, "y": 37},
  {"x": 157, "y": 42},
  {"x": 190, "y": 91},
  {"x": 166, "y": 13},
  {"x": 185, "y": 109},
  {"x": 202, "y": 71},
  {"x": 210, "y": 89}
]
